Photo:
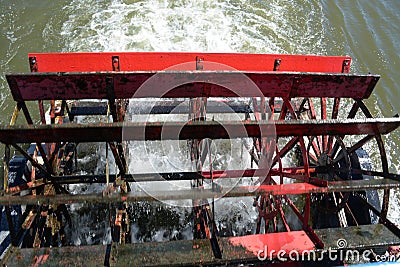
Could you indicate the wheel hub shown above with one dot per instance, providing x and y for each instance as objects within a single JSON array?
[{"x": 324, "y": 160}]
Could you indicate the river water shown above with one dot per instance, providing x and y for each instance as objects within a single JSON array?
[{"x": 368, "y": 31}]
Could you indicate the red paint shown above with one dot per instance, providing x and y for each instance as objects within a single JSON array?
[
  {"x": 251, "y": 172},
  {"x": 285, "y": 241},
  {"x": 145, "y": 61},
  {"x": 288, "y": 189}
]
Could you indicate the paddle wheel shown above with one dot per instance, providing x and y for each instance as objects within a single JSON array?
[{"x": 301, "y": 119}]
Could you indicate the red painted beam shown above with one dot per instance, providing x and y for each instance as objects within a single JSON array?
[
  {"x": 155, "y": 61},
  {"x": 254, "y": 172},
  {"x": 65, "y": 86},
  {"x": 193, "y": 130},
  {"x": 267, "y": 246}
]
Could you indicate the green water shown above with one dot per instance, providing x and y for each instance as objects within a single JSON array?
[{"x": 367, "y": 30}]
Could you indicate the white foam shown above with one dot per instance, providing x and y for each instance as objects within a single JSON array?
[{"x": 203, "y": 25}]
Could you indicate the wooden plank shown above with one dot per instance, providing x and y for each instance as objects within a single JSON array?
[
  {"x": 244, "y": 249},
  {"x": 196, "y": 193},
  {"x": 145, "y": 61},
  {"x": 173, "y": 253},
  {"x": 165, "y": 106},
  {"x": 177, "y": 84},
  {"x": 108, "y": 132},
  {"x": 358, "y": 237}
]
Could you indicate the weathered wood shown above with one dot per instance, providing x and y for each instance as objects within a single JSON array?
[
  {"x": 244, "y": 249},
  {"x": 358, "y": 237},
  {"x": 108, "y": 132},
  {"x": 197, "y": 193},
  {"x": 172, "y": 84},
  {"x": 174, "y": 253}
]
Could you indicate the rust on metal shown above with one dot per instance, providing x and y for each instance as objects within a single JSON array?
[
  {"x": 277, "y": 64},
  {"x": 119, "y": 161},
  {"x": 115, "y": 63},
  {"x": 346, "y": 66},
  {"x": 199, "y": 63},
  {"x": 33, "y": 64}
]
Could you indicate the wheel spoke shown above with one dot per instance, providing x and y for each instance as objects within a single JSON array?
[
  {"x": 335, "y": 109},
  {"x": 284, "y": 109},
  {"x": 313, "y": 144},
  {"x": 289, "y": 146},
  {"x": 378, "y": 138},
  {"x": 280, "y": 163},
  {"x": 271, "y": 104},
  {"x": 312, "y": 109},
  {"x": 354, "y": 147},
  {"x": 306, "y": 212},
  {"x": 385, "y": 204},
  {"x": 301, "y": 107},
  {"x": 305, "y": 159},
  {"x": 353, "y": 110},
  {"x": 335, "y": 112},
  {"x": 348, "y": 210},
  {"x": 294, "y": 208},
  {"x": 282, "y": 215},
  {"x": 334, "y": 150},
  {"x": 324, "y": 138}
]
